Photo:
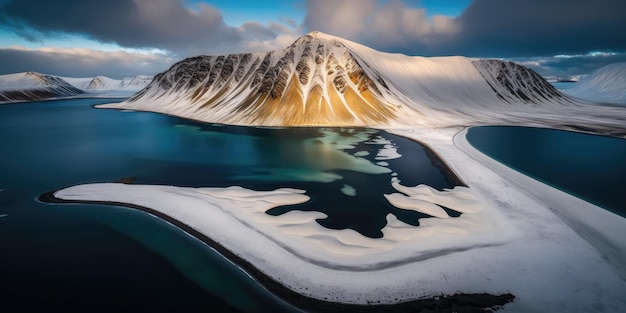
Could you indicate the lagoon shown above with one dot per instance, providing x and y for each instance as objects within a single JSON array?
[
  {"x": 588, "y": 166},
  {"x": 80, "y": 256}
]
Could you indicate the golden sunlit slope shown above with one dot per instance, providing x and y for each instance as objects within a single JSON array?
[{"x": 315, "y": 81}]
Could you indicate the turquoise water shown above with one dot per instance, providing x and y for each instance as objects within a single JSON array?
[
  {"x": 563, "y": 85},
  {"x": 588, "y": 166},
  {"x": 80, "y": 257}
]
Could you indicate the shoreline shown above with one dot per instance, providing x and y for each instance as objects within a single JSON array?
[
  {"x": 460, "y": 302},
  {"x": 75, "y": 97},
  {"x": 536, "y": 240},
  {"x": 600, "y": 227}
]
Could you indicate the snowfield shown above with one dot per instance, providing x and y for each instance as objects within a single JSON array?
[{"x": 553, "y": 251}]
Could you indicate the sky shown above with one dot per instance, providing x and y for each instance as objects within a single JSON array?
[{"x": 123, "y": 38}]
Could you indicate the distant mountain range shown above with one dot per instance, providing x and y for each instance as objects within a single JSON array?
[
  {"x": 322, "y": 80},
  {"x": 564, "y": 78},
  {"x": 29, "y": 86}
]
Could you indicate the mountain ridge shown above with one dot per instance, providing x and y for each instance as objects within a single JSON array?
[
  {"x": 321, "y": 80},
  {"x": 326, "y": 81},
  {"x": 31, "y": 86},
  {"x": 28, "y": 86}
]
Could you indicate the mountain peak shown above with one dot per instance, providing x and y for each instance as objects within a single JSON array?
[
  {"x": 317, "y": 38},
  {"x": 320, "y": 35}
]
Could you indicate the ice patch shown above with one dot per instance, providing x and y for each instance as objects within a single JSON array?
[
  {"x": 347, "y": 139},
  {"x": 389, "y": 152},
  {"x": 361, "y": 154},
  {"x": 427, "y": 200},
  {"x": 348, "y": 190}
]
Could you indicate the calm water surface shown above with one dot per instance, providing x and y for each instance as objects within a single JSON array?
[
  {"x": 588, "y": 166},
  {"x": 563, "y": 85},
  {"x": 104, "y": 258}
]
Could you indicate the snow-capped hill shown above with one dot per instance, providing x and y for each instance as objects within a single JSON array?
[
  {"x": 102, "y": 83},
  {"x": 325, "y": 80},
  {"x": 134, "y": 83},
  {"x": 512, "y": 82},
  {"x": 30, "y": 86},
  {"x": 92, "y": 84},
  {"x": 564, "y": 78},
  {"x": 605, "y": 85},
  {"x": 30, "y": 79}
]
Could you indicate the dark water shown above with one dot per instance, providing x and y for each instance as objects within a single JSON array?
[
  {"x": 588, "y": 166},
  {"x": 104, "y": 258}
]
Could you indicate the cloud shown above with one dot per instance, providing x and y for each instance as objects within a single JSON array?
[
  {"x": 78, "y": 62},
  {"x": 570, "y": 64},
  {"x": 163, "y": 24},
  {"x": 167, "y": 25},
  {"x": 487, "y": 28},
  {"x": 540, "y": 27},
  {"x": 381, "y": 24}
]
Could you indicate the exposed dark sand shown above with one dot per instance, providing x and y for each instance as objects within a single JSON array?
[{"x": 444, "y": 303}]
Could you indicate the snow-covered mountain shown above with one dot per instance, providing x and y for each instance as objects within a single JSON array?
[
  {"x": 30, "y": 86},
  {"x": 93, "y": 84},
  {"x": 564, "y": 78},
  {"x": 605, "y": 85},
  {"x": 325, "y": 80},
  {"x": 103, "y": 83},
  {"x": 134, "y": 83}
]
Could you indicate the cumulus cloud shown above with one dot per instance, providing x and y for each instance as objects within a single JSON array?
[
  {"x": 512, "y": 29},
  {"x": 79, "y": 62},
  {"x": 164, "y": 24},
  {"x": 487, "y": 28},
  {"x": 382, "y": 24}
]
